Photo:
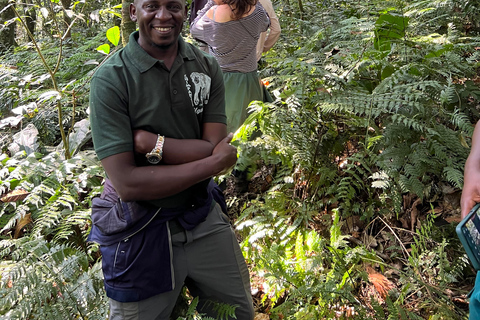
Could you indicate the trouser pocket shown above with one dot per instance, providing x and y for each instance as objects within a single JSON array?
[{"x": 139, "y": 263}]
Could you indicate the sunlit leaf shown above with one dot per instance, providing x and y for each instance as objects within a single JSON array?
[
  {"x": 104, "y": 48},
  {"x": 113, "y": 35}
]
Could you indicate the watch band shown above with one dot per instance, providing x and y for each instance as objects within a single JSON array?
[{"x": 155, "y": 156}]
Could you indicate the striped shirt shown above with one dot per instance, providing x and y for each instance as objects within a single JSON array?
[{"x": 232, "y": 43}]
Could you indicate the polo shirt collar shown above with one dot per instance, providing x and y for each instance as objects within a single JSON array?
[
  {"x": 184, "y": 51},
  {"x": 143, "y": 61}
]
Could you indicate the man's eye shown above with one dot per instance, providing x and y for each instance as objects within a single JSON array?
[
  {"x": 175, "y": 7},
  {"x": 150, "y": 6}
]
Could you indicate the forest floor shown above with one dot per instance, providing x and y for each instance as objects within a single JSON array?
[{"x": 375, "y": 235}]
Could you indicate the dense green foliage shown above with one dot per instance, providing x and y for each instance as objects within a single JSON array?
[{"x": 375, "y": 104}]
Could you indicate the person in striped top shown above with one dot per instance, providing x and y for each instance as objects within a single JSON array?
[{"x": 231, "y": 28}]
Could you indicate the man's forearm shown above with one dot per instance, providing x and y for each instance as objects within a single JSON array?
[
  {"x": 135, "y": 183},
  {"x": 180, "y": 151},
  {"x": 156, "y": 182}
]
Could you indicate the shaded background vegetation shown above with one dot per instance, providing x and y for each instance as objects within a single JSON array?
[{"x": 355, "y": 178}]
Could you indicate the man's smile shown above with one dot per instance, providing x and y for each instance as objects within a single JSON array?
[{"x": 163, "y": 29}]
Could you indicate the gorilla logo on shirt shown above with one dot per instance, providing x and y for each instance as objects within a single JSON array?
[{"x": 201, "y": 83}]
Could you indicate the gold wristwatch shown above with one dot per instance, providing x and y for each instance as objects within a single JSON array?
[{"x": 155, "y": 156}]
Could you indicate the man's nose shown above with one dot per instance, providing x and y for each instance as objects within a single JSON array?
[{"x": 162, "y": 13}]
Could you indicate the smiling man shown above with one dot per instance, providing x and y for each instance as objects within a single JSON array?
[{"x": 157, "y": 113}]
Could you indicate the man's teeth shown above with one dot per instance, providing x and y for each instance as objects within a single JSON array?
[{"x": 162, "y": 29}]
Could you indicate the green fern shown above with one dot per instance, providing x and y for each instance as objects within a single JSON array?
[
  {"x": 48, "y": 281},
  {"x": 57, "y": 189},
  {"x": 56, "y": 279}
]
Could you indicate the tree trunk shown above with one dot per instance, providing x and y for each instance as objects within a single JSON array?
[
  {"x": 7, "y": 32},
  {"x": 300, "y": 6},
  {"x": 30, "y": 17},
  {"x": 66, "y": 19},
  {"x": 127, "y": 26}
]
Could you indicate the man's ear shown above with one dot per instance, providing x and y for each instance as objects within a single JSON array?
[{"x": 133, "y": 12}]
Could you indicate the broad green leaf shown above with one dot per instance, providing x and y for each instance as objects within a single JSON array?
[
  {"x": 14, "y": 183},
  {"x": 104, "y": 48},
  {"x": 388, "y": 28},
  {"x": 113, "y": 35}
]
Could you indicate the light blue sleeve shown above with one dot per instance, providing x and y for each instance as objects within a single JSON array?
[{"x": 474, "y": 306}]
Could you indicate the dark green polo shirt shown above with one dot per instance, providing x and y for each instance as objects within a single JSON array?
[{"x": 132, "y": 90}]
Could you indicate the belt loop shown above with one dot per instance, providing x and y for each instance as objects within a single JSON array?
[{"x": 189, "y": 235}]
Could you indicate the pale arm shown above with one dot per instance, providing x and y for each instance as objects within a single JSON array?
[
  {"x": 275, "y": 29},
  {"x": 471, "y": 184}
]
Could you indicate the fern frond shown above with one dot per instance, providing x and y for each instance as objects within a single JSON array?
[
  {"x": 48, "y": 281},
  {"x": 454, "y": 176}
]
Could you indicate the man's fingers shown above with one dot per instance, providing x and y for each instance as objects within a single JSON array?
[
  {"x": 466, "y": 207},
  {"x": 229, "y": 137},
  {"x": 465, "y": 211}
]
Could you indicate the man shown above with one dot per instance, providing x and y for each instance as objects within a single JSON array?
[
  {"x": 157, "y": 113},
  {"x": 268, "y": 38}
]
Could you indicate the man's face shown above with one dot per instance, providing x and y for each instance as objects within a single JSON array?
[{"x": 159, "y": 21}]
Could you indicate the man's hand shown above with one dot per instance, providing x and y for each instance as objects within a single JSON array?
[
  {"x": 226, "y": 154},
  {"x": 180, "y": 151},
  {"x": 134, "y": 183}
]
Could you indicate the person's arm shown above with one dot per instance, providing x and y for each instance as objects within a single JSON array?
[
  {"x": 275, "y": 29},
  {"x": 471, "y": 180},
  {"x": 178, "y": 151},
  {"x": 195, "y": 160},
  {"x": 134, "y": 183}
]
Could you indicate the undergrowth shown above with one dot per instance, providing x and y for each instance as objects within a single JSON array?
[
  {"x": 375, "y": 106},
  {"x": 368, "y": 113}
]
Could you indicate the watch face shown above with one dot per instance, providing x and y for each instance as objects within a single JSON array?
[{"x": 153, "y": 158}]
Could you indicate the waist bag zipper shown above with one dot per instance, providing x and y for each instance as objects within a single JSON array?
[{"x": 131, "y": 235}]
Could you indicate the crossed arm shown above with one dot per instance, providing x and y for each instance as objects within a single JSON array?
[
  {"x": 185, "y": 162},
  {"x": 471, "y": 181}
]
